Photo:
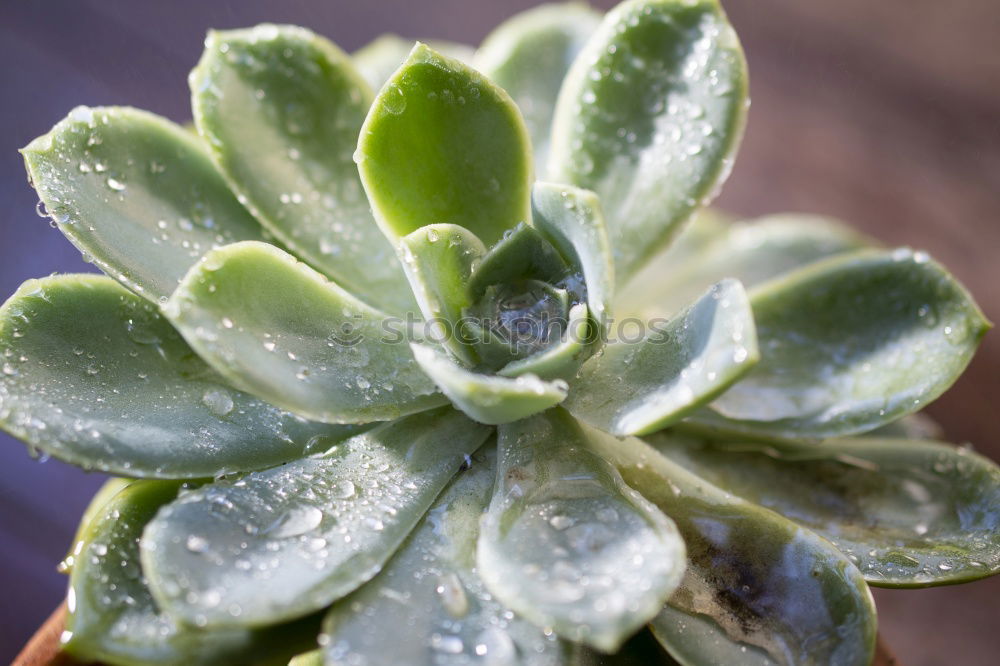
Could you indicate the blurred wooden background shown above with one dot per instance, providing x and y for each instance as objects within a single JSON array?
[{"x": 886, "y": 114}]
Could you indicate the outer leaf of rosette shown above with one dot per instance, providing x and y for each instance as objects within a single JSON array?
[
  {"x": 439, "y": 261},
  {"x": 113, "y": 617},
  {"x": 571, "y": 219},
  {"x": 281, "y": 331},
  {"x": 649, "y": 118},
  {"x": 850, "y": 344},
  {"x": 752, "y": 251},
  {"x": 529, "y": 54},
  {"x": 489, "y": 399},
  {"x": 637, "y": 386},
  {"x": 380, "y": 58},
  {"x": 93, "y": 375},
  {"x": 759, "y": 589},
  {"x": 286, "y": 542},
  {"x": 280, "y": 109},
  {"x": 137, "y": 194},
  {"x": 431, "y": 593},
  {"x": 907, "y": 513},
  {"x": 567, "y": 544},
  {"x": 443, "y": 144}
]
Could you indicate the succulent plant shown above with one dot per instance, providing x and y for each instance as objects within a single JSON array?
[{"x": 359, "y": 373}]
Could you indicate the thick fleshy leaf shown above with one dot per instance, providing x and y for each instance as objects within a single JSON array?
[
  {"x": 282, "y": 543},
  {"x": 636, "y": 387},
  {"x": 104, "y": 494},
  {"x": 279, "y": 330},
  {"x": 433, "y": 598},
  {"x": 521, "y": 254},
  {"x": 649, "y": 118},
  {"x": 758, "y": 589},
  {"x": 442, "y": 144},
  {"x": 311, "y": 658},
  {"x": 571, "y": 219},
  {"x": 911, "y": 426},
  {"x": 439, "y": 260},
  {"x": 136, "y": 194},
  {"x": 114, "y": 619},
  {"x": 91, "y": 374},
  {"x": 563, "y": 357},
  {"x": 529, "y": 54},
  {"x": 489, "y": 398},
  {"x": 380, "y": 58},
  {"x": 850, "y": 344},
  {"x": 907, "y": 513},
  {"x": 566, "y": 544},
  {"x": 280, "y": 109},
  {"x": 752, "y": 252}
]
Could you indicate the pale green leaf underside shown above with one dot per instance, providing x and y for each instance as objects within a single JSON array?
[
  {"x": 850, "y": 344},
  {"x": 649, "y": 118},
  {"x": 529, "y": 54},
  {"x": 380, "y": 58},
  {"x": 489, "y": 399},
  {"x": 136, "y": 194},
  {"x": 753, "y": 252},
  {"x": 444, "y": 145},
  {"x": 907, "y": 513},
  {"x": 114, "y": 619},
  {"x": 433, "y": 599},
  {"x": 636, "y": 387},
  {"x": 439, "y": 260},
  {"x": 280, "y": 109},
  {"x": 759, "y": 589},
  {"x": 279, "y": 330},
  {"x": 571, "y": 219},
  {"x": 566, "y": 544},
  {"x": 93, "y": 375},
  {"x": 286, "y": 542}
]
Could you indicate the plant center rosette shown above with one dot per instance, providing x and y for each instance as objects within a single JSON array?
[{"x": 468, "y": 359}]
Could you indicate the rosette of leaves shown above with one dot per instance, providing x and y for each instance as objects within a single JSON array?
[{"x": 417, "y": 376}]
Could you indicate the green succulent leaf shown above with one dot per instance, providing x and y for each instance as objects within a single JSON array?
[
  {"x": 529, "y": 54},
  {"x": 137, "y": 194},
  {"x": 311, "y": 658},
  {"x": 104, "y": 494},
  {"x": 637, "y": 387},
  {"x": 566, "y": 544},
  {"x": 442, "y": 144},
  {"x": 911, "y": 426},
  {"x": 562, "y": 358},
  {"x": 907, "y": 513},
  {"x": 91, "y": 374},
  {"x": 850, "y": 344},
  {"x": 489, "y": 399},
  {"x": 279, "y": 330},
  {"x": 521, "y": 254},
  {"x": 380, "y": 58},
  {"x": 649, "y": 118},
  {"x": 571, "y": 219},
  {"x": 114, "y": 619},
  {"x": 432, "y": 596},
  {"x": 753, "y": 252},
  {"x": 759, "y": 589},
  {"x": 439, "y": 261},
  {"x": 280, "y": 109},
  {"x": 283, "y": 543}
]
